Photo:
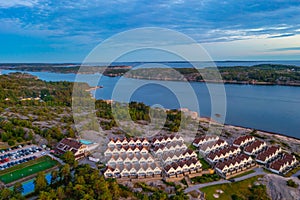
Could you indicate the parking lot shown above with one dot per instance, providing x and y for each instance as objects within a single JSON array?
[{"x": 18, "y": 155}]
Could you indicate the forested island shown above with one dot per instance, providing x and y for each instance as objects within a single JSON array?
[{"x": 263, "y": 74}]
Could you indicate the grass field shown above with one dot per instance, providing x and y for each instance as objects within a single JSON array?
[
  {"x": 240, "y": 188},
  {"x": 26, "y": 169},
  {"x": 205, "y": 164}
]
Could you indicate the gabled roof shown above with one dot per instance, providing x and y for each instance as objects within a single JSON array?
[
  {"x": 200, "y": 139},
  {"x": 268, "y": 152},
  {"x": 241, "y": 139},
  {"x": 254, "y": 145}
]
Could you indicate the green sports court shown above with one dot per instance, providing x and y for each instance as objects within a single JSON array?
[{"x": 26, "y": 169}]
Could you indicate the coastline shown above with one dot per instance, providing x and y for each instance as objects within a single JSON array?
[
  {"x": 219, "y": 82},
  {"x": 209, "y": 120}
]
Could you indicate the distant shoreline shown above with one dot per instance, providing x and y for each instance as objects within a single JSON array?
[
  {"x": 209, "y": 119},
  {"x": 263, "y": 74}
]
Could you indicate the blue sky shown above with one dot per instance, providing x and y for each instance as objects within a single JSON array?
[{"x": 66, "y": 31}]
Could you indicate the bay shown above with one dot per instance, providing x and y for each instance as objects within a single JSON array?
[{"x": 269, "y": 108}]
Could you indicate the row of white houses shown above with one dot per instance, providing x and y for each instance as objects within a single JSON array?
[
  {"x": 119, "y": 142},
  {"x": 222, "y": 154},
  {"x": 208, "y": 147},
  {"x": 255, "y": 147},
  {"x": 110, "y": 151},
  {"x": 126, "y": 159},
  {"x": 168, "y": 158},
  {"x": 184, "y": 166},
  {"x": 283, "y": 164},
  {"x": 157, "y": 140},
  {"x": 268, "y": 155},
  {"x": 168, "y": 148},
  {"x": 163, "y": 140},
  {"x": 243, "y": 140},
  {"x": 241, "y": 161},
  {"x": 133, "y": 171},
  {"x": 204, "y": 139}
]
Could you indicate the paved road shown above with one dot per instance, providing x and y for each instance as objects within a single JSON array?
[
  {"x": 195, "y": 187},
  {"x": 258, "y": 171}
]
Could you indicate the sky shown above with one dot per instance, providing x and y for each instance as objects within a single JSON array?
[{"x": 66, "y": 31}]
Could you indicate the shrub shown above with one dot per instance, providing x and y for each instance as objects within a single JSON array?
[
  {"x": 291, "y": 183},
  {"x": 236, "y": 197},
  {"x": 11, "y": 142}
]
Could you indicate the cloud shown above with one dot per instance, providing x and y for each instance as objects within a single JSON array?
[
  {"x": 286, "y": 49},
  {"x": 282, "y": 35},
  {"x": 87, "y": 22},
  {"x": 17, "y": 3}
]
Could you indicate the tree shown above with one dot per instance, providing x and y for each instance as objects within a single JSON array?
[
  {"x": 236, "y": 197},
  {"x": 114, "y": 188},
  {"x": 54, "y": 176},
  {"x": 65, "y": 173},
  {"x": 18, "y": 188},
  {"x": 6, "y": 194},
  {"x": 47, "y": 195},
  {"x": 40, "y": 183},
  {"x": 69, "y": 158},
  {"x": 60, "y": 193}
]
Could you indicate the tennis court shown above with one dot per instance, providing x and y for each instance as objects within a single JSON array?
[{"x": 22, "y": 171}]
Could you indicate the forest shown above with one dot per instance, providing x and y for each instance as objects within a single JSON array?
[{"x": 50, "y": 117}]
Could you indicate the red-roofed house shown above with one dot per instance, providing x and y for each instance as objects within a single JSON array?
[{"x": 73, "y": 145}]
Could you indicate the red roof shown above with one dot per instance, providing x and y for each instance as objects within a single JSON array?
[
  {"x": 241, "y": 139},
  {"x": 253, "y": 146}
]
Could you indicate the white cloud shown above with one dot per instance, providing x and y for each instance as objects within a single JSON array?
[{"x": 17, "y": 3}]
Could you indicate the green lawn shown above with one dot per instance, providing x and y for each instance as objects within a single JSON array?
[
  {"x": 241, "y": 189},
  {"x": 205, "y": 178},
  {"x": 205, "y": 164},
  {"x": 26, "y": 169}
]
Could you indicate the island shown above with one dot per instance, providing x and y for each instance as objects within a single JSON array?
[{"x": 262, "y": 74}]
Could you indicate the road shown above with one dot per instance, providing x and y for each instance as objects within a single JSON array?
[
  {"x": 195, "y": 187},
  {"x": 258, "y": 171}
]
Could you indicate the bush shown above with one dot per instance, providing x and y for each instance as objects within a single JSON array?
[
  {"x": 291, "y": 183},
  {"x": 11, "y": 142},
  {"x": 205, "y": 178},
  {"x": 236, "y": 197},
  {"x": 19, "y": 139}
]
